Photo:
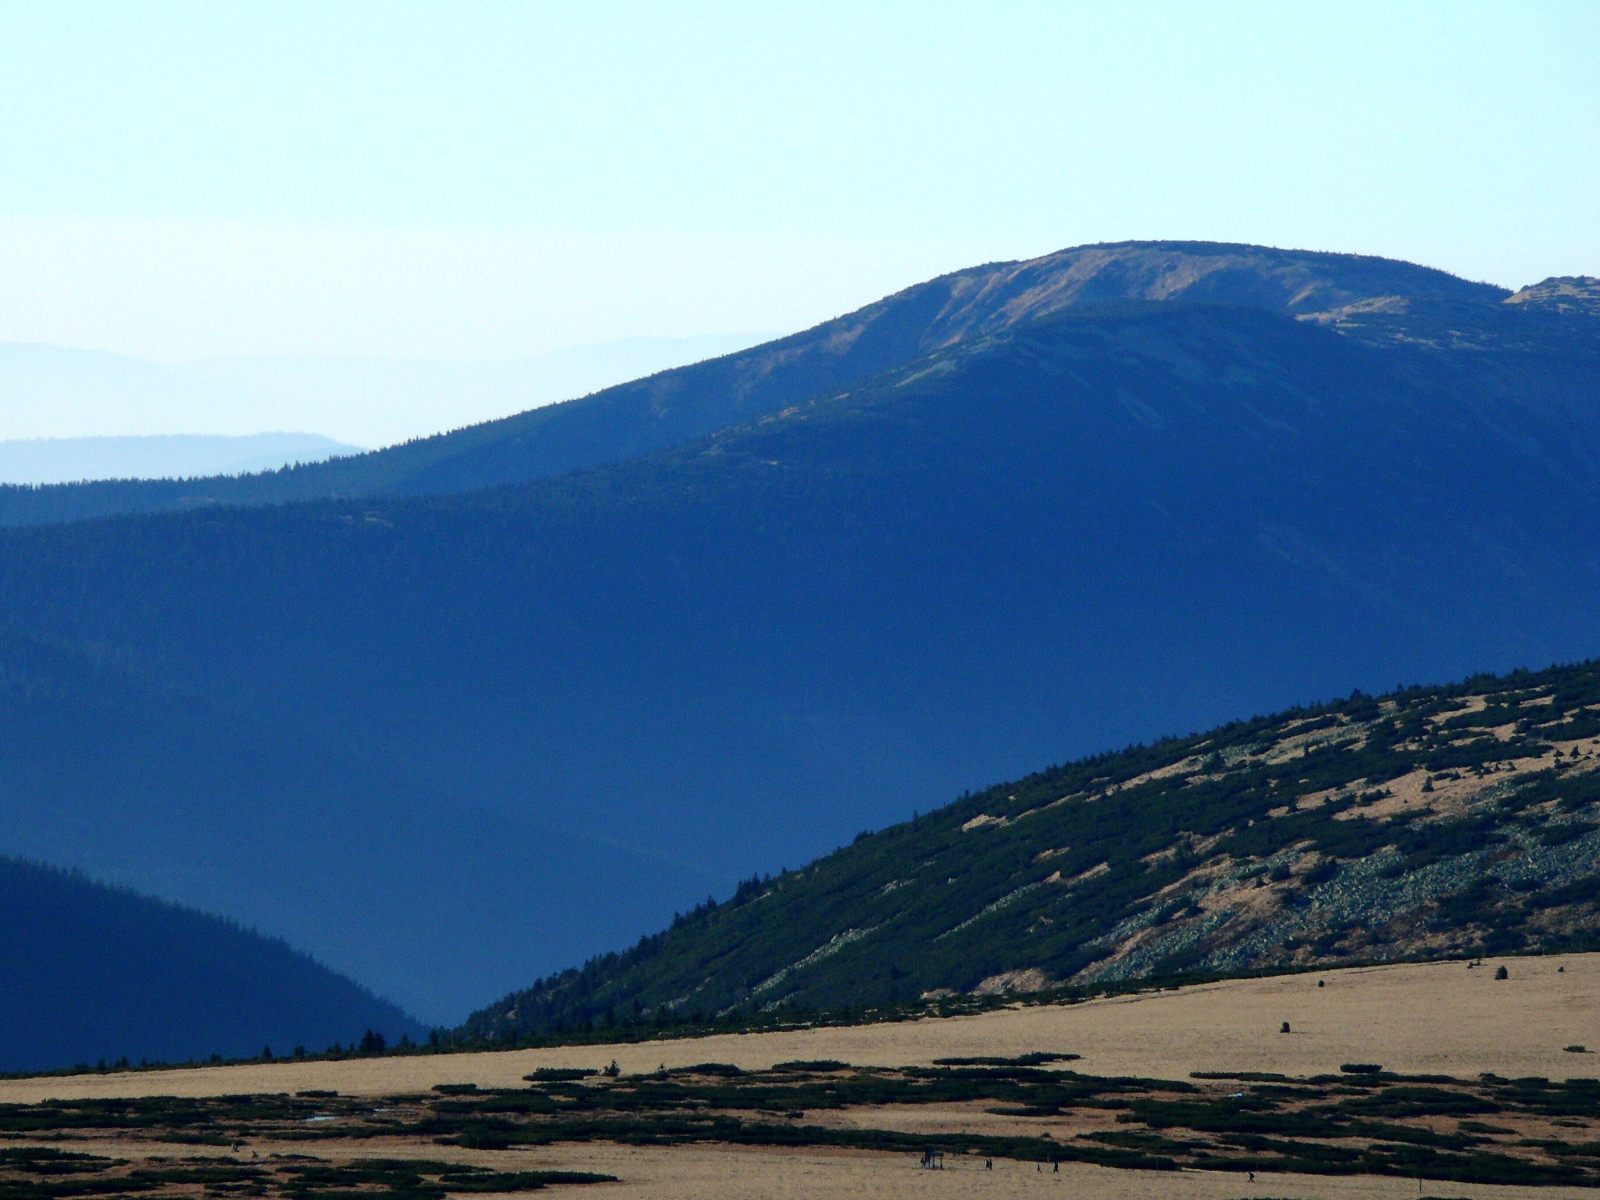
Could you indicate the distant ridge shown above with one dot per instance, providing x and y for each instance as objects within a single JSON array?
[
  {"x": 159, "y": 456},
  {"x": 93, "y": 973},
  {"x": 676, "y": 406}
]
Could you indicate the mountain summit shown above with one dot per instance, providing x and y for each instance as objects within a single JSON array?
[
  {"x": 1297, "y": 283},
  {"x": 679, "y": 405}
]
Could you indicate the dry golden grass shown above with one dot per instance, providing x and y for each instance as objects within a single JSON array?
[
  {"x": 747, "y": 1173},
  {"x": 738, "y": 1173},
  {"x": 1438, "y": 1018}
]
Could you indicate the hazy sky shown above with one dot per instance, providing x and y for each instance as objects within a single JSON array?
[{"x": 478, "y": 180}]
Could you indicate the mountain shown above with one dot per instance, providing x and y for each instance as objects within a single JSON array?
[
  {"x": 94, "y": 972},
  {"x": 676, "y": 406},
  {"x": 68, "y": 460},
  {"x": 1429, "y": 823},
  {"x": 551, "y": 713}
]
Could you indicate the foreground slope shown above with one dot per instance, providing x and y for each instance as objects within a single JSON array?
[
  {"x": 1391, "y": 1077},
  {"x": 1432, "y": 822},
  {"x": 676, "y": 406},
  {"x": 552, "y": 714},
  {"x": 93, "y": 972}
]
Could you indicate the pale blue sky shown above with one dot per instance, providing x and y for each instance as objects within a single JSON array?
[{"x": 477, "y": 180}]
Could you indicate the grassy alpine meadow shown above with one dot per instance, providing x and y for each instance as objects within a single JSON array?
[{"x": 1441, "y": 1079}]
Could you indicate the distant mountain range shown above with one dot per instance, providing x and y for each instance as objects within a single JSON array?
[
  {"x": 92, "y": 973},
  {"x": 71, "y": 460},
  {"x": 65, "y": 392},
  {"x": 1425, "y": 824},
  {"x": 480, "y": 706}
]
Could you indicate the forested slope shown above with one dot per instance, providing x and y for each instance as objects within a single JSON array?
[
  {"x": 96, "y": 973},
  {"x": 1427, "y": 823}
]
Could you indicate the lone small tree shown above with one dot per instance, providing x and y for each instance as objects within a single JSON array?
[
  {"x": 1284, "y": 1028},
  {"x": 1501, "y": 973}
]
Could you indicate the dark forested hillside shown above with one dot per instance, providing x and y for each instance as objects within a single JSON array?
[
  {"x": 310, "y": 826},
  {"x": 550, "y": 714},
  {"x": 1423, "y": 824},
  {"x": 96, "y": 973},
  {"x": 679, "y": 405}
]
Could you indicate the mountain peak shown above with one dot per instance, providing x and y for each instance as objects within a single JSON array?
[
  {"x": 1374, "y": 300},
  {"x": 1298, "y": 283}
]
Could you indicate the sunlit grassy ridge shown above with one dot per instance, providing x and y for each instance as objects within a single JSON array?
[{"x": 1430, "y": 822}]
